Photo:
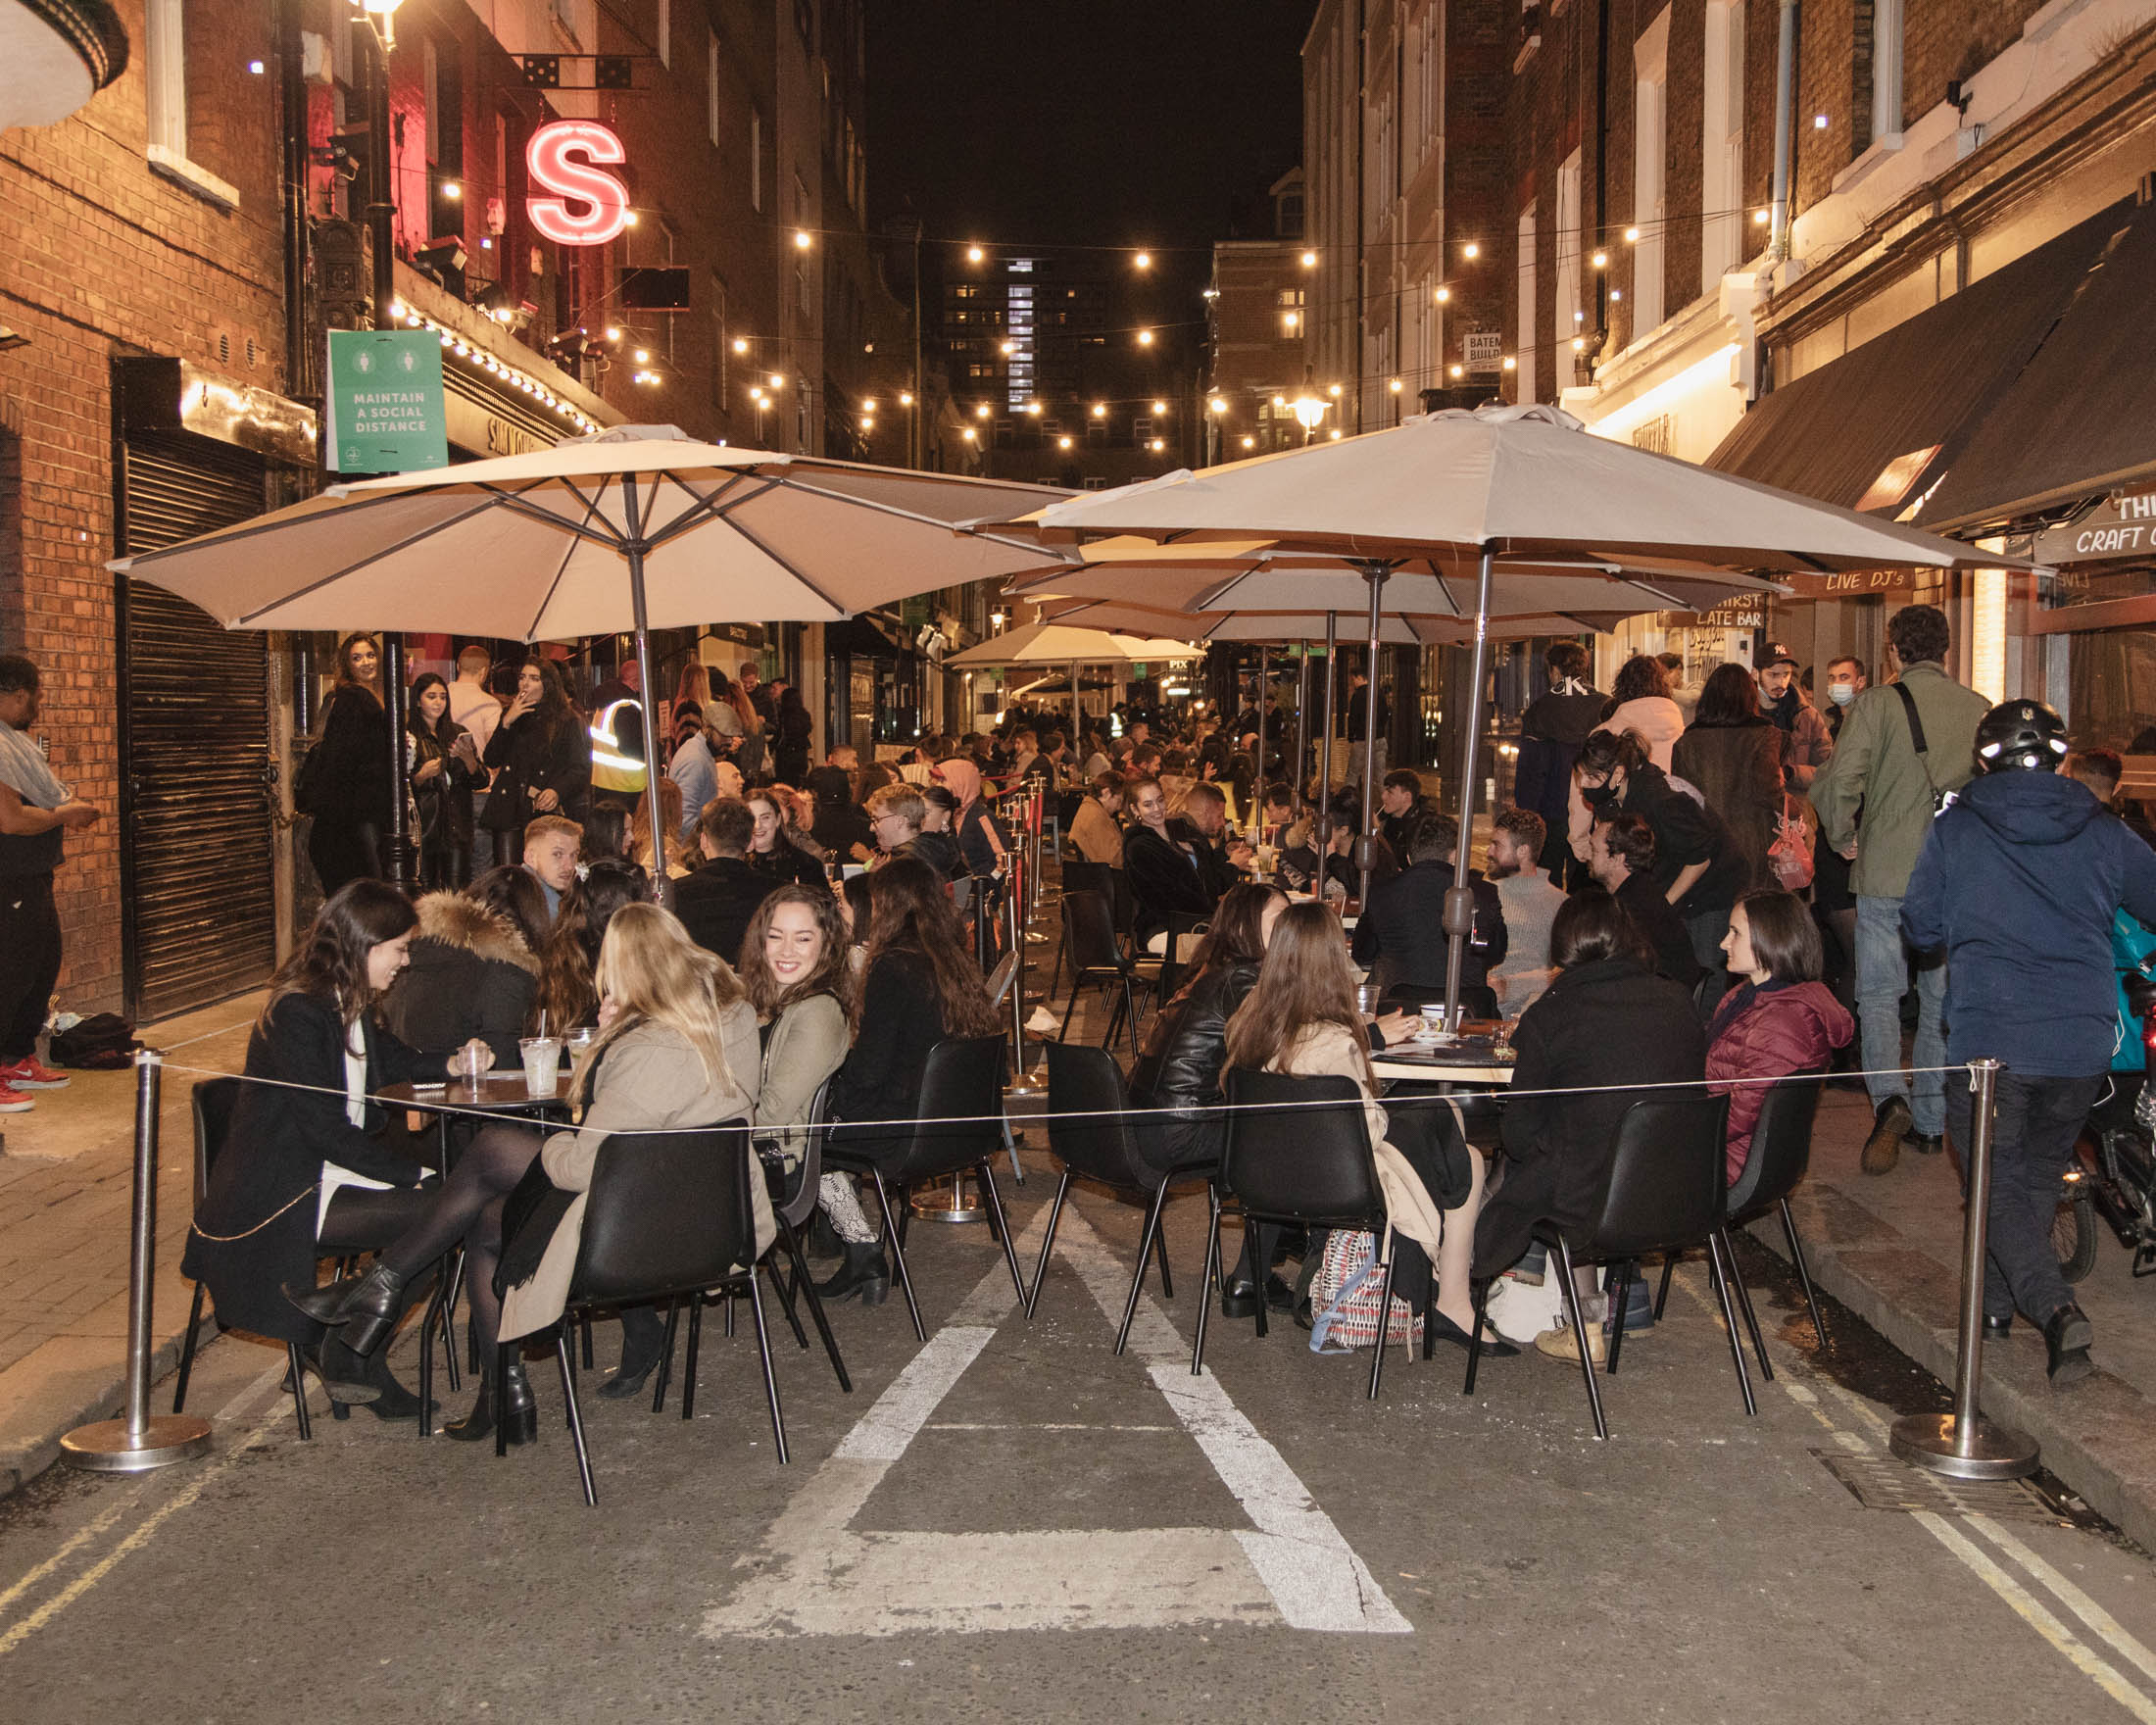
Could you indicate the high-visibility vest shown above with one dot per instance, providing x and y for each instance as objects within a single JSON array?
[{"x": 613, "y": 768}]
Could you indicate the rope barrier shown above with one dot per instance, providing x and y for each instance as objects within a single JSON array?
[{"x": 1184, "y": 1114}]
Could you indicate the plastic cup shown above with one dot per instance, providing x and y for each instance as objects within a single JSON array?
[
  {"x": 1366, "y": 999},
  {"x": 542, "y": 1063},
  {"x": 468, "y": 1068}
]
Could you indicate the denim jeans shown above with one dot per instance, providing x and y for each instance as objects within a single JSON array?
[
  {"x": 2035, "y": 1122},
  {"x": 1881, "y": 980}
]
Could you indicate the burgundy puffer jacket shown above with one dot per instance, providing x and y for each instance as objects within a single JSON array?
[{"x": 1769, "y": 1034}]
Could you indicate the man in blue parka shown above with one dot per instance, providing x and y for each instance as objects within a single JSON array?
[{"x": 2018, "y": 881}]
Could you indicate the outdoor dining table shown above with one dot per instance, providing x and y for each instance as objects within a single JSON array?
[
  {"x": 1472, "y": 1059},
  {"x": 502, "y": 1094}
]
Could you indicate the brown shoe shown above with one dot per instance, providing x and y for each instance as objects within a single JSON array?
[
  {"x": 1884, "y": 1147},
  {"x": 1561, "y": 1343}
]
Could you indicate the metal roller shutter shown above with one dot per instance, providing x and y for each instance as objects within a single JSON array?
[{"x": 198, "y": 897}]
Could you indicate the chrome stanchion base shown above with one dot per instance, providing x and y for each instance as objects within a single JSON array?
[
  {"x": 937, "y": 1204},
  {"x": 1930, "y": 1441},
  {"x": 1027, "y": 1084},
  {"x": 106, "y": 1448}
]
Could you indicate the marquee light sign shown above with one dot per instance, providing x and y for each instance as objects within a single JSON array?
[{"x": 575, "y": 201}]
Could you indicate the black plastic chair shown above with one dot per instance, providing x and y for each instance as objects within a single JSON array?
[
  {"x": 1079, "y": 876},
  {"x": 1291, "y": 1163},
  {"x": 1097, "y": 961},
  {"x": 1478, "y": 1000},
  {"x": 958, "y": 1130},
  {"x": 214, "y": 1103},
  {"x": 1101, "y": 1144},
  {"x": 1665, "y": 1195},
  {"x": 669, "y": 1216},
  {"x": 1780, "y": 1158},
  {"x": 793, "y": 1210}
]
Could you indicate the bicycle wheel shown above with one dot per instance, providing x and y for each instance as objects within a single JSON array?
[{"x": 2074, "y": 1235}]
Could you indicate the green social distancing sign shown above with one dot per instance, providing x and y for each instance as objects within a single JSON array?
[{"x": 387, "y": 414}]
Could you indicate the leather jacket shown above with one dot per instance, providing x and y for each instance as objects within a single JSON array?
[{"x": 1178, "y": 1067}]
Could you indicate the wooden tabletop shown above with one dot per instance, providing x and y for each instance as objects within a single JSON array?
[
  {"x": 497, "y": 1093},
  {"x": 1470, "y": 1061}
]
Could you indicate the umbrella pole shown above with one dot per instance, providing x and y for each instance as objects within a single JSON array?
[
  {"x": 1365, "y": 841},
  {"x": 1302, "y": 729},
  {"x": 1255, "y": 815},
  {"x": 394, "y": 841},
  {"x": 1459, "y": 902},
  {"x": 1325, "y": 752},
  {"x": 652, "y": 815},
  {"x": 1077, "y": 715}
]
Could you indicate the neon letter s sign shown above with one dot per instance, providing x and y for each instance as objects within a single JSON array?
[{"x": 590, "y": 205}]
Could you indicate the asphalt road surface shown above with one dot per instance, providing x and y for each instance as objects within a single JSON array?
[{"x": 1013, "y": 1524}]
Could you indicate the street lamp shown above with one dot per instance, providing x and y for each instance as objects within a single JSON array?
[{"x": 1144, "y": 338}]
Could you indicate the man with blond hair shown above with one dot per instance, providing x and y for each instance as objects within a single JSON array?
[{"x": 551, "y": 845}]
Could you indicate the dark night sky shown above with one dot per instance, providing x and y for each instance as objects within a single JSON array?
[{"x": 1101, "y": 123}]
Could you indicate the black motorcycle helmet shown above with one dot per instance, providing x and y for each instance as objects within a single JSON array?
[{"x": 2021, "y": 736}]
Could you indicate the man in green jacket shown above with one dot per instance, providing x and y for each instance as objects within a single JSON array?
[{"x": 1876, "y": 798}]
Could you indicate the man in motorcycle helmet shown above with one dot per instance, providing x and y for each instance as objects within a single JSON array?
[{"x": 2018, "y": 880}]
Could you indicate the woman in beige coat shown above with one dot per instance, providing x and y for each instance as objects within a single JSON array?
[{"x": 676, "y": 1048}]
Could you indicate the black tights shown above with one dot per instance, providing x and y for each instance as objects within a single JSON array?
[{"x": 469, "y": 1208}]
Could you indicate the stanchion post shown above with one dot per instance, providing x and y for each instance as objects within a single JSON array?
[
  {"x": 138, "y": 1441},
  {"x": 1022, "y": 1082},
  {"x": 1963, "y": 1444}
]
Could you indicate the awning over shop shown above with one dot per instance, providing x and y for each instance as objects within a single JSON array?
[
  {"x": 863, "y": 636},
  {"x": 2080, "y": 418},
  {"x": 1872, "y": 430}
]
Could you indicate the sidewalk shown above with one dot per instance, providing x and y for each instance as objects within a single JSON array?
[
  {"x": 67, "y": 1179},
  {"x": 1889, "y": 1249}
]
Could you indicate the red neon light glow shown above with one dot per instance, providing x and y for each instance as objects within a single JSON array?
[{"x": 589, "y": 206}]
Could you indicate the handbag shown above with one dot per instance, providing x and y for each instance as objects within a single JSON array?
[
  {"x": 1790, "y": 857},
  {"x": 1344, "y": 1296}
]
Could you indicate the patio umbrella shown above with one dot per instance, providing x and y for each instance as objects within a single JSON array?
[
  {"x": 638, "y": 526},
  {"x": 1059, "y": 644},
  {"x": 1500, "y": 482}
]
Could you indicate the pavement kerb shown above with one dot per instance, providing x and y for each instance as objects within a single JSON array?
[{"x": 56, "y": 1410}]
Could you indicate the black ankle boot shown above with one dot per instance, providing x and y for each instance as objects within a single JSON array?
[
  {"x": 518, "y": 1413},
  {"x": 863, "y": 1273},
  {"x": 366, "y": 1308},
  {"x": 343, "y": 1373},
  {"x": 639, "y": 1354},
  {"x": 393, "y": 1400}
]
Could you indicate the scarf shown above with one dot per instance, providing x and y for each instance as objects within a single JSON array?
[
  {"x": 24, "y": 770},
  {"x": 962, "y": 779}
]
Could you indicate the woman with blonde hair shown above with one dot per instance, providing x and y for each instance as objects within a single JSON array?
[
  {"x": 639, "y": 848},
  {"x": 676, "y": 1048},
  {"x": 1301, "y": 1019}
]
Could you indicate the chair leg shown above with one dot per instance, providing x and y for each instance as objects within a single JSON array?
[
  {"x": 296, "y": 1362},
  {"x": 1728, "y": 1319},
  {"x": 1475, "y": 1337},
  {"x": 771, "y": 1378},
  {"x": 1130, "y": 1017},
  {"x": 689, "y": 1365},
  {"x": 576, "y": 1419},
  {"x": 1205, "y": 1278},
  {"x": 895, "y": 1235},
  {"x": 1160, "y": 1252},
  {"x": 666, "y": 1357},
  {"x": 187, "y": 1351},
  {"x": 1115, "y": 1017},
  {"x": 1618, "y": 1295},
  {"x": 1744, "y": 1304},
  {"x": 583, "y": 1321},
  {"x": 815, "y": 1302},
  {"x": 1578, "y": 1336},
  {"x": 1070, "y": 1004},
  {"x": 1803, "y": 1274},
  {"x": 786, "y": 1303},
  {"x": 1259, "y": 1272},
  {"x": 1384, "y": 1324},
  {"x": 1048, "y": 1242},
  {"x": 1669, "y": 1270},
  {"x": 1146, "y": 1240},
  {"x": 452, "y": 1284},
  {"x": 986, "y": 1172},
  {"x": 501, "y": 1398}
]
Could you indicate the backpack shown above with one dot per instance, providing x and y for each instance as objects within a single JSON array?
[{"x": 104, "y": 1042}]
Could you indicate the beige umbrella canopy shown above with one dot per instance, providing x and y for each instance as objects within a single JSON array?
[
  {"x": 1060, "y": 644},
  {"x": 635, "y": 527}
]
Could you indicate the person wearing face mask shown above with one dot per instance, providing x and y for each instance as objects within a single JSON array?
[{"x": 1806, "y": 743}]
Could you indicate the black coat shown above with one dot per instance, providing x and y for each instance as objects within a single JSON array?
[
  {"x": 470, "y": 975},
  {"x": 715, "y": 903},
  {"x": 1686, "y": 833},
  {"x": 350, "y": 766},
  {"x": 263, "y": 1189},
  {"x": 977, "y": 849},
  {"x": 1164, "y": 881},
  {"x": 1396, "y": 830},
  {"x": 1400, "y": 933},
  {"x": 1650, "y": 907},
  {"x": 1178, "y": 1067},
  {"x": 533, "y": 759},
  {"x": 783, "y": 865},
  {"x": 444, "y": 802},
  {"x": 881, "y": 1078},
  {"x": 1595, "y": 1028}
]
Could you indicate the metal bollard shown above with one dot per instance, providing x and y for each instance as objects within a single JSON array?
[
  {"x": 1963, "y": 1444},
  {"x": 139, "y": 1442},
  {"x": 1022, "y": 1082}
]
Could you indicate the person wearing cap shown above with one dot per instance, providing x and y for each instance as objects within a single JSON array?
[
  {"x": 2018, "y": 881},
  {"x": 1805, "y": 745}
]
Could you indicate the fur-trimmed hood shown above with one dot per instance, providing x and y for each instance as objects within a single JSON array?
[{"x": 458, "y": 922}]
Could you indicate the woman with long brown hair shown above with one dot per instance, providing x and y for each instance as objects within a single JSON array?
[
  {"x": 676, "y": 1048},
  {"x": 305, "y": 1144},
  {"x": 1301, "y": 1019},
  {"x": 569, "y": 993},
  {"x": 544, "y": 755},
  {"x": 778, "y": 850},
  {"x": 345, "y": 783},
  {"x": 920, "y": 987}
]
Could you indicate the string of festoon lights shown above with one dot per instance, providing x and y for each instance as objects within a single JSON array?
[{"x": 483, "y": 361}]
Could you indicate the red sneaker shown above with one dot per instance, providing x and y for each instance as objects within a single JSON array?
[
  {"x": 14, "y": 1102},
  {"x": 27, "y": 1074}
]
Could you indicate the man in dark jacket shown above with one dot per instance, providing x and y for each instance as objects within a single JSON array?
[
  {"x": 1621, "y": 857},
  {"x": 1401, "y": 934},
  {"x": 716, "y": 901},
  {"x": 2019, "y": 881},
  {"x": 1202, "y": 830},
  {"x": 1552, "y": 730},
  {"x": 1400, "y": 804}
]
